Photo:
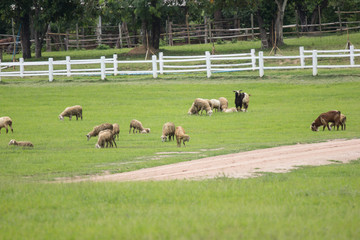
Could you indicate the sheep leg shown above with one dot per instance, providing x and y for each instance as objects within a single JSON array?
[
  {"x": 70, "y": 117},
  {"x": 6, "y": 129},
  {"x": 130, "y": 130},
  {"x": 115, "y": 143},
  {"x": 178, "y": 141},
  {"x": 10, "y": 125}
]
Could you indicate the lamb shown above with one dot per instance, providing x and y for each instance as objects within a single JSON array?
[
  {"x": 324, "y": 119},
  {"x": 105, "y": 137},
  {"x": 230, "y": 110},
  {"x": 342, "y": 122},
  {"x": 137, "y": 125},
  {"x": 180, "y": 135},
  {"x": 71, "y": 111},
  {"x": 98, "y": 129},
  {"x": 168, "y": 130},
  {"x": 193, "y": 110},
  {"x": 116, "y": 130},
  {"x": 223, "y": 104},
  {"x": 241, "y": 99},
  {"x": 5, "y": 122},
  {"x": 21, "y": 143},
  {"x": 202, "y": 104},
  {"x": 215, "y": 104}
]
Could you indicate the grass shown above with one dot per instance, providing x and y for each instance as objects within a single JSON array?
[{"x": 310, "y": 203}]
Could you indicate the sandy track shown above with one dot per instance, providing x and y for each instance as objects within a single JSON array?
[{"x": 245, "y": 164}]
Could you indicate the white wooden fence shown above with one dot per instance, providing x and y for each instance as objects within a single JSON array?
[{"x": 178, "y": 64}]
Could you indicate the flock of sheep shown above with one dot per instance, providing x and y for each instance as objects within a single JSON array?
[{"x": 107, "y": 132}]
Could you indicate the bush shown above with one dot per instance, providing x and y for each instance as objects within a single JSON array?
[{"x": 103, "y": 47}]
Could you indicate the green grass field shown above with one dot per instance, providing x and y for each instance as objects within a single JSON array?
[{"x": 310, "y": 203}]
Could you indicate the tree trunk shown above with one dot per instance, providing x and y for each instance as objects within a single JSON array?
[
  {"x": 263, "y": 36},
  {"x": 301, "y": 10},
  {"x": 25, "y": 35},
  {"x": 144, "y": 33},
  {"x": 279, "y": 22},
  {"x": 155, "y": 33}
]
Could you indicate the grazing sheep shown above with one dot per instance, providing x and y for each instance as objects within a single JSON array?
[
  {"x": 202, "y": 104},
  {"x": 223, "y": 104},
  {"x": 180, "y": 135},
  {"x": 324, "y": 119},
  {"x": 116, "y": 130},
  {"x": 241, "y": 99},
  {"x": 21, "y": 143},
  {"x": 230, "y": 110},
  {"x": 138, "y": 127},
  {"x": 71, "y": 111},
  {"x": 215, "y": 104},
  {"x": 193, "y": 110},
  {"x": 342, "y": 122},
  {"x": 98, "y": 129},
  {"x": 5, "y": 122},
  {"x": 105, "y": 137},
  {"x": 168, "y": 130}
]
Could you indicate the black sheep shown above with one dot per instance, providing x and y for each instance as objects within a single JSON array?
[{"x": 239, "y": 96}]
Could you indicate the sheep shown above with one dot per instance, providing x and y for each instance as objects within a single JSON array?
[
  {"x": 193, "y": 110},
  {"x": 324, "y": 119},
  {"x": 116, "y": 130},
  {"x": 241, "y": 99},
  {"x": 168, "y": 130},
  {"x": 202, "y": 104},
  {"x": 5, "y": 122},
  {"x": 21, "y": 143},
  {"x": 71, "y": 111},
  {"x": 342, "y": 122},
  {"x": 180, "y": 135},
  {"x": 138, "y": 127},
  {"x": 223, "y": 104},
  {"x": 215, "y": 104},
  {"x": 99, "y": 128},
  {"x": 230, "y": 110},
  {"x": 105, "y": 136}
]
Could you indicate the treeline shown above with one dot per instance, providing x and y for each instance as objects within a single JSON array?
[{"x": 149, "y": 20}]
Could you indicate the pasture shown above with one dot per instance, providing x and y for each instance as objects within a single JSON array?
[{"x": 310, "y": 203}]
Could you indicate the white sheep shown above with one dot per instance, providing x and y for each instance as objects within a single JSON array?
[
  {"x": 105, "y": 137},
  {"x": 181, "y": 136},
  {"x": 137, "y": 125},
  {"x": 5, "y": 122},
  {"x": 71, "y": 111},
  {"x": 224, "y": 103},
  {"x": 21, "y": 143},
  {"x": 203, "y": 104},
  {"x": 230, "y": 110},
  {"x": 168, "y": 130},
  {"x": 116, "y": 130},
  {"x": 215, "y": 104},
  {"x": 98, "y": 129}
]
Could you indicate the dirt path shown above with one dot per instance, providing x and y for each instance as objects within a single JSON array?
[{"x": 245, "y": 164}]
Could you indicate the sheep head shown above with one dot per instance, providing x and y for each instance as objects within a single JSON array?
[
  {"x": 210, "y": 112},
  {"x": 314, "y": 127},
  {"x": 163, "y": 138},
  {"x": 61, "y": 117},
  {"x": 12, "y": 142},
  {"x": 146, "y": 130},
  {"x": 88, "y": 136}
]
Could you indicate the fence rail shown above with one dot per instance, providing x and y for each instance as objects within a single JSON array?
[{"x": 178, "y": 64}]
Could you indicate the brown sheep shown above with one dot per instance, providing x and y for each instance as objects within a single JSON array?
[
  {"x": 223, "y": 104},
  {"x": 21, "y": 143},
  {"x": 137, "y": 125},
  {"x": 5, "y": 122},
  {"x": 342, "y": 122},
  {"x": 193, "y": 109},
  {"x": 98, "y": 129},
  {"x": 324, "y": 119},
  {"x": 168, "y": 130},
  {"x": 105, "y": 137},
  {"x": 203, "y": 104},
  {"x": 116, "y": 130},
  {"x": 181, "y": 136},
  {"x": 71, "y": 111}
]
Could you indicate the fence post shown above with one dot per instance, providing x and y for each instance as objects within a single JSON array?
[
  {"x": 352, "y": 59},
  {"x": 208, "y": 64},
  {"x": 68, "y": 66},
  {"x": 253, "y": 59},
  {"x": 115, "y": 57},
  {"x": 154, "y": 66},
  {"x": 51, "y": 70},
  {"x": 161, "y": 62},
  {"x": 314, "y": 62},
  {"x": 102, "y": 63},
  {"x": 21, "y": 61},
  {"x": 252, "y": 27},
  {"x": 0, "y": 70},
  {"x": 302, "y": 57},
  {"x": 261, "y": 63}
]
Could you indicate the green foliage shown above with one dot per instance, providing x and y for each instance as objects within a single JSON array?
[{"x": 102, "y": 47}]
